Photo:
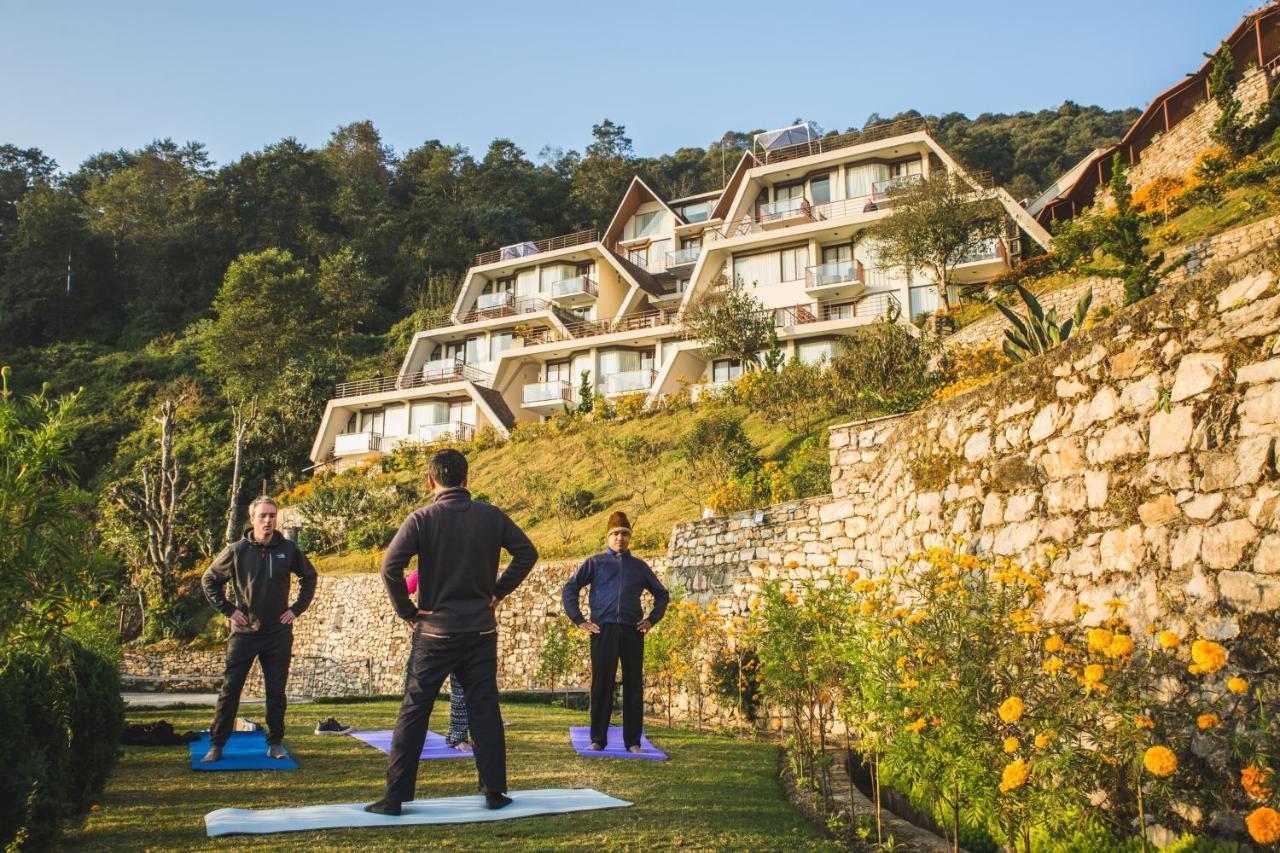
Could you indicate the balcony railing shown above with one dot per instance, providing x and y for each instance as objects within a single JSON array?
[
  {"x": 777, "y": 212},
  {"x": 537, "y": 247},
  {"x": 594, "y": 328},
  {"x": 541, "y": 393},
  {"x": 579, "y": 285},
  {"x": 888, "y": 186},
  {"x": 628, "y": 381},
  {"x": 487, "y": 301},
  {"x": 510, "y": 308},
  {"x": 458, "y": 430},
  {"x": 987, "y": 250},
  {"x": 683, "y": 257},
  {"x": 432, "y": 373},
  {"x": 833, "y": 272},
  {"x": 878, "y": 304},
  {"x": 845, "y": 140},
  {"x": 357, "y": 442}
]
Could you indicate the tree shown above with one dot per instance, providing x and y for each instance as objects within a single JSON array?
[
  {"x": 1229, "y": 128},
  {"x": 603, "y": 174},
  {"x": 264, "y": 315},
  {"x": 348, "y": 291},
  {"x": 881, "y": 369},
  {"x": 731, "y": 322},
  {"x": 243, "y": 418},
  {"x": 1122, "y": 238},
  {"x": 934, "y": 224}
]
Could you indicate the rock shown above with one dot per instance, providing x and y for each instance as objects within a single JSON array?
[
  {"x": 1065, "y": 495},
  {"x": 1196, "y": 374},
  {"x": 1224, "y": 543},
  {"x": 1259, "y": 371},
  {"x": 1063, "y": 458},
  {"x": 1217, "y": 471},
  {"x": 1249, "y": 593},
  {"x": 1122, "y": 550},
  {"x": 1260, "y": 410},
  {"x": 992, "y": 511},
  {"x": 1141, "y": 396},
  {"x": 1045, "y": 423},
  {"x": 1127, "y": 363},
  {"x": 1158, "y": 511},
  {"x": 836, "y": 511},
  {"x": 1267, "y": 560},
  {"x": 1117, "y": 442},
  {"x": 1095, "y": 486},
  {"x": 1019, "y": 507},
  {"x": 1253, "y": 457},
  {"x": 1202, "y": 507},
  {"x": 1246, "y": 289},
  {"x": 1070, "y": 388},
  {"x": 978, "y": 445},
  {"x": 1170, "y": 432}
]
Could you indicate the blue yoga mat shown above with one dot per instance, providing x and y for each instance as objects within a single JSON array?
[
  {"x": 244, "y": 751},
  {"x": 434, "y": 746},
  {"x": 580, "y": 737}
]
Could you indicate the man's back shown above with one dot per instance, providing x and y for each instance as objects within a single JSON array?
[{"x": 458, "y": 543}]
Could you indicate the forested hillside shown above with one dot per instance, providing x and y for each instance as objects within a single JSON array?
[{"x": 152, "y": 275}]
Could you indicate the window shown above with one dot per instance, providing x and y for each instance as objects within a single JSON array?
[
  {"x": 558, "y": 371},
  {"x": 859, "y": 179},
  {"x": 725, "y": 369},
  {"x": 690, "y": 242},
  {"x": 696, "y": 212},
  {"x": 794, "y": 262},
  {"x": 843, "y": 311},
  {"x": 842, "y": 252},
  {"x": 504, "y": 285},
  {"x": 910, "y": 167},
  {"x": 371, "y": 421},
  {"x": 456, "y": 351},
  {"x": 647, "y": 223},
  {"x": 472, "y": 354},
  {"x": 762, "y": 269},
  {"x": 667, "y": 351},
  {"x": 820, "y": 189},
  {"x": 498, "y": 343},
  {"x": 426, "y": 413},
  {"x": 351, "y": 422},
  {"x": 813, "y": 352},
  {"x": 620, "y": 361},
  {"x": 639, "y": 257},
  {"x": 788, "y": 192}
]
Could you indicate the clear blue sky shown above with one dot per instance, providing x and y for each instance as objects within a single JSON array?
[{"x": 82, "y": 77}]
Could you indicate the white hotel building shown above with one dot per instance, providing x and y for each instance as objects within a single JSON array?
[{"x": 531, "y": 318}]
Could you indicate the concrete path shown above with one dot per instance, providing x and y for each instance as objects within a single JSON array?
[{"x": 162, "y": 700}]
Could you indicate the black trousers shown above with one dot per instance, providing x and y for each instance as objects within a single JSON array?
[
  {"x": 273, "y": 650},
  {"x": 474, "y": 658},
  {"x": 617, "y": 642}
]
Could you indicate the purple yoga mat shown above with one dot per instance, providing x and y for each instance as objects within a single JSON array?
[
  {"x": 433, "y": 747},
  {"x": 580, "y": 737}
]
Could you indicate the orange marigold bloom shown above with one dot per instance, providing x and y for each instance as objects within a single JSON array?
[
  {"x": 1253, "y": 779},
  {"x": 1121, "y": 646},
  {"x": 1208, "y": 656},
  {"x": 851, "y": 575},
  {"x": 1093, "y": 674},
  {"x": 864, "y": 585},
  {"x": 1043, "y": 740},
  {"x": 1236, "y": 684},
  {"x": 1099, "y": 640},
  {"x": 1168, "y": 640},
  {"x": 1011, "y": 709},
  {"x": 1264, "y": 825},
  {"x": 1011, "y": 744},
  {"x": 1053, "y": 643},
  {"x": 1208, "y": 721},
  {"x": 1160, "y": 761},
  {"x": 1053, "y": 665},
  {"x": 1014, "y": 775},
  {"x": 1144, "y": 722},
  {"x": 917, "y": 725}
]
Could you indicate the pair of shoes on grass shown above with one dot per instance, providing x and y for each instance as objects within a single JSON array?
[
  {"x": 599, "y": 747},
  {"x": 332, "y": 727},
  {"x": 274, "y": 750},
  {"x": 393, "y": 808}
]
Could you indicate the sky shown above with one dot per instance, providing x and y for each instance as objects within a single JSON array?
[{"x": 77, "y": 78}]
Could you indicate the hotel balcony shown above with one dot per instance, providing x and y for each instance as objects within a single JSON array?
[
  {"x": 357, "y": 444},
  {"x": 835, "y": 280},
  {"x": 577, "y": 292},
  {"x": 516, "y": 251},
  {"x": 547, "y": 398},
  {"x": 628, "y": 382},
  {"x": 985, "y": 252},
  {"x": 780, "y": 214},
  {"x": 457, "y": 430},
  {"x": 432, "y": 373},
  {"x": 682, "y": 260},
  {"x": 880, "y": 190}
]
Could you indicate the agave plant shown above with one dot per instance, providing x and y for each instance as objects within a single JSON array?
[{"x": 1039, "y": 331}]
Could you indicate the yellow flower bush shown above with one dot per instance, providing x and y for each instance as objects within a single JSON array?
[
  {"x": 1160, "y": 761},
  {"x": 1264, "y": 825},
  {"x": 1011, "y": 709},
  {"x": 1092, "y": 678},
  {"x": 1207, "y": 657},
  {"x": 1053, "y": 644},
  {"x": 1011, "y": 744},
  {"x": 1014, "y": 776}
]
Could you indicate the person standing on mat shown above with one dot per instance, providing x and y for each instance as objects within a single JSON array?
[
  {"x": 458, "y": 723},
  {"x": 261, "y": 619},
  {"x": 617, "y": 628},
  {"x": 458, "y": 543}
]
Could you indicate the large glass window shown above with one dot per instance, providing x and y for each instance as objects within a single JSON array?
[
  {"x": 647, "y": 223},
  {"x": 558, "y": 371},
  {"x": 426, "y": 413},
  {"x": 371, "y": 421},
  {"x": 498, "y": 343},
  {"x": 473, "y": 351},
  {"x": 859, "y": 179},
  {"x": 788, "y": 192},
  {"x": 794, "y": 262},
  {"x": 842, "y": 252},
  {"x": 762, "y": 269},
  {"x": 725, "y": 369},
  {"x": 813, "y": 352},
  {"x": 619, "y": 361},
  {"x": 696, "y": 212},
  {"x": 820, "y": 189}
]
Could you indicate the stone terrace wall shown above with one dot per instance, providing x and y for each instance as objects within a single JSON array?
[
  {"x": 1106, "y": 291},
  {"x": 1173, "y": 154}
]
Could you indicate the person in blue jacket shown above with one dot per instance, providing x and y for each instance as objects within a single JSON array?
[{"x": 617, "y": 627}]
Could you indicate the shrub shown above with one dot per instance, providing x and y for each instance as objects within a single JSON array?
[
  {"x": 1039, "y": 331},
  {"x": 357, "y": 508},
  {"x": 970, "y": 366},
  {"x": 563, "y": 649},
  {"x": 882, "y": 369},
  {"x": 1160, "y": 196},
  {"x": 630, "y": 406},
  {"x": 797, "y": 394},
  {"x": 716, "y": 451}
]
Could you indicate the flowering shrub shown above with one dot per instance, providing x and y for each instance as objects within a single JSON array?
[{"x": 1162, "y": 195}]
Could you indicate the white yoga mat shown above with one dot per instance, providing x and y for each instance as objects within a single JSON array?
[{"x": 468, "y": 809}]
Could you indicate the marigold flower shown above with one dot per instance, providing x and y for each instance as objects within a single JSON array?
[
  {"x": 1099, "y": 640},
  {"x": 902, "y": 662},
  {"x": 1011, "y": 744},
  {"x": 793, "y": 598},
  {"x": 864, "y": 585},
  {"x": 1014, "y": 775},
  {"x": 1011, "y": 709},
  {"x": 1121, "y": 646},
  {"x": 1081, "y": 610},
  {"x": 851, "y": 575},
  {"x": 1253, "y": 779},
  {"x": 1168, "y": 640},
  {"x": 1115, "y": 605},
  {"x": 1043, "y": 740},
  {"x": 908, "y": 684},
  {"x": 1053, "y": 643},
  {"x": 917, "y": 725},
  {"x": 1144, "y": 722},
  {"x": 1208, "y": 656},
  {"x": 1264, "y": 825},
  {"x": 1208, "y": 721},
  {"x": 1053, "y": 664},
  {"x": 868, "y": 608},
  {"x": 1236, "y": 684},
  {"x": 776, "y": 723},
  {"x": 1093, "y": 674},
  {"x": 793, "y": 565},
  {"x": 1160, "y": 761},
  {"x": 916, "y": 618}
]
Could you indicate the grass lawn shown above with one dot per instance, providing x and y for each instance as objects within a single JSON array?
[{"x": 716, "y": 793}]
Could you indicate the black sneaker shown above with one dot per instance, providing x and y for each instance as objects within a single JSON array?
[{"x": 332, "y": 727}]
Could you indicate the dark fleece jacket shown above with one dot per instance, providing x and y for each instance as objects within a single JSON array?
[
  {"x": 261, "y": 575},
  {"x": 458, "y": 543}
]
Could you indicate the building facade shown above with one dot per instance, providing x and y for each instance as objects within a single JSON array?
[{"x": 534, "y": 321}]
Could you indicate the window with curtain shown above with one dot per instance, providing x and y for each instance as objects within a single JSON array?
[
  {"x": 725, "y": 369},
  {"x": 527, "y": 283},
  {"x": 812, "y": 352},
  {"x": 426, "y": 413},
  {"x": 498, "y": 343},
  {"x": 473, "y": 352},
  {"x": 618, "y": 361},
  {"x": 794, "y": 262},
  {"x": 858, "y": 179},
  {"x": 820, "y": 189},
  {"x": 762, "y": 269},
  {"x": 647, "y": 223}
]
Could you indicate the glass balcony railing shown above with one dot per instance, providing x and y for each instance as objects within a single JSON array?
[
  {"x": 833, "y": 272},
  {"x": 985, "y": 251},
  {"x": 579, "y": 285},
  {"x": 428, "y": 433},
  {"x": 789, "y": 208},
  {"x": 541, "y": 393},
  {"x": 683, "y": 257},
  {"x": 628, "y": 381},
  {"x": 488, "y": 301},
  {"x": 885, "y": 187},
  {"x": 357, "y": 442}
]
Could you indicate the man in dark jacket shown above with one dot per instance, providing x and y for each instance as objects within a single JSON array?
[
  {"x": 261, "y": 619},
  {"x": 458, "y": 543},
  {"x": 617, "y": 627}
]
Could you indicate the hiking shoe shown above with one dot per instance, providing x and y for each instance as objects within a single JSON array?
[
  {"x": 275, "y": 750},
  {"x": 495, "y": 800},
  {"x": 214, "y": 754},
  {"x": 332, "y": 727},
  {"x": 384, "y": 806}
]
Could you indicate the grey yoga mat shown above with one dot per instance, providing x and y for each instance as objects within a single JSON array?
[{"x": 468, "y": 809}]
